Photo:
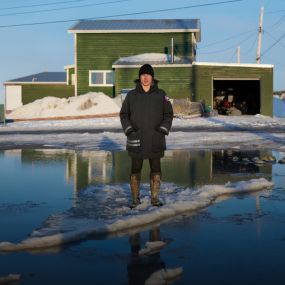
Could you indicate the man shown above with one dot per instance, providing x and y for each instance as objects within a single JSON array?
[{"x": 146, "y": 117}]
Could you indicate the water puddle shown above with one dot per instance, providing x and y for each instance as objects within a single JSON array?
[{"x": 69, "y": 209}]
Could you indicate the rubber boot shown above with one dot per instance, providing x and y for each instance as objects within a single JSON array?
[
  {"x": 154, "y": 188},
  {"x": 135, "y": 180}
]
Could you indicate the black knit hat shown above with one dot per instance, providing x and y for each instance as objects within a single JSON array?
[{"x": 146, "y": 69}]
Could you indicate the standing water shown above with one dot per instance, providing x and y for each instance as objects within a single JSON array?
[{"x": 64, "y": 218}]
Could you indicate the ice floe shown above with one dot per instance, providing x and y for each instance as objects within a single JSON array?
[{"x": 103, "y": 210}]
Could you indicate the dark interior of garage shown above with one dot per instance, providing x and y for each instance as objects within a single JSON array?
[{"x": 236, "y": 97}]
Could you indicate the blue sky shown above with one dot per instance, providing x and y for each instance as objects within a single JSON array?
[{"x": 26, "y": 50}]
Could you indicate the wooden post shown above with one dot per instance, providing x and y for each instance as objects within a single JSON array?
[
  {"x": 259, "y": 35},
  {"x": 172, "y": 51},
  {"x": 238, "y": 54}
]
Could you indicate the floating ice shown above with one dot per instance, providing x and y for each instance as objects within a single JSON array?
[
  {"x": 10, "y": 278},
  {"x": 152, "y": 247},
  {"x": 97, "y": 211},
  {"x": 163, "y": 276}
]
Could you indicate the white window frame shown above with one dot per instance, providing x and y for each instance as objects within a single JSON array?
[{"x": 104, "y": 77}]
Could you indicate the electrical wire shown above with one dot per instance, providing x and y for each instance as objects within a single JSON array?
[
  {"x": 226, "y": 39},
  {"x": 272, "y": 37},
  {"x": 274, "y": 44},
  {"x": 228, "y": 48},
  {"x": 42, "y": 4},
  {"x": 122, "y": 15},
  {"x": 234, "y": 53},
  {"x": 62, "y": 8}
]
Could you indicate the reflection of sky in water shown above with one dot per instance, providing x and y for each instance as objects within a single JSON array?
[{"x": 37, "y": 183}]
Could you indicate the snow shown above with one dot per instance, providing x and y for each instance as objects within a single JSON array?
[
  {"x": 112, "y": 215},
  {"x": 92, "y": 103},
  {"x": 148, "y": 58},
  {"x": 219, "y": 132},
  {"x": 11, "y": 278},
  {"x": 152, "y": 247}
]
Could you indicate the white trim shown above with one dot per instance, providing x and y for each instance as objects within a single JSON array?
[
  {"x": 154, "y": 65},
  {"x": 164, "y": 128},
  {"x": 67, "y": 76},
  {"x": 75, "y": 63},
  {"x": 127, "y": 128},
  {"x": 150, "y": 31},
  {"x": 69, "y": 66},
  {"x": 237, "y": 78},
  {"x": 256, "y": 65},
  {"x": 34, "y": 83},
  {"x": 104, "y": 78}
]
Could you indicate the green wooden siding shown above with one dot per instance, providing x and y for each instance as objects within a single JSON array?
[
  {"x": 100, "y": 51},
  {"x": 32, "y": 92},
  {"x": 70, "y": 72},
  {"x": 2, "y": 114},
  {"x": 175, "y": 81},
  {"x": 203, "y": 82}
]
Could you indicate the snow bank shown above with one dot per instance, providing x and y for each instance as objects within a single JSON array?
[
  {"x": 92, "y": 103},
  {"x": 161, "y": 58},
  {"x": 112, "y": 214}
]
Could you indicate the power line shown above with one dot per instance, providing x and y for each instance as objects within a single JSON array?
[
  {"x": 274, "y": 44},
  {"x": 253, "y": 43},
  {"x": 277, "y": 11},
  {"x": 62, "y": 8},
  {"x": 278, "y": 22},
  {"x": 272, "y": 37},
  {"x": 228, "y": 48},
  {"x": 227, "y": 39},
  {"x": 122, "y": 15},
  {"x": 42, "y": 4}
]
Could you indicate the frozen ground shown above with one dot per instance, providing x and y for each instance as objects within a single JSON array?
[{"x": 247, "y": 132}]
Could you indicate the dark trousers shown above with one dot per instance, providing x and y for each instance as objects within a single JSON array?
[{"x": 137, "y": 164}]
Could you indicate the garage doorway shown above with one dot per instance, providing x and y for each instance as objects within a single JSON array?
[{"x": 236, "y": 96}]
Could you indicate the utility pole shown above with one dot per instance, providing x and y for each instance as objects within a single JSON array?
[
  {"x": 259, "y": 35},
  {"x": 238, "y": 54}
]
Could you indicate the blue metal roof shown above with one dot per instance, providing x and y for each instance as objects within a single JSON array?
[
  {"x": 42, "y": 77},
  {"x": 146, "y": 25}
]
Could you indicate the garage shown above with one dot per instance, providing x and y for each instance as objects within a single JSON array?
[
  {"x": 246, "y": 88},
  {"x": 237, "y": 96}
]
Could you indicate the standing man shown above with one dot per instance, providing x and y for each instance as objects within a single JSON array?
[{"x": 146, "y": 117}]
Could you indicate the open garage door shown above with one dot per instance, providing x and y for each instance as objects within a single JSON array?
[{"x": 236, "y": 96}]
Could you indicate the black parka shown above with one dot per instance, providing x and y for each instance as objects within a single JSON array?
[{"x": 146, "y": 118}]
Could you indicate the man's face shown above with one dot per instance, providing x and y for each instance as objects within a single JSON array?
[{"x": 146, "y": 80}]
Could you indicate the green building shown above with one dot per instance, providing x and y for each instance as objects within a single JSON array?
[{"x": 108, "y": 54}]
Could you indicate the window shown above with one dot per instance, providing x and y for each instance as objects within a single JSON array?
[{"x": 101, "y": 78}]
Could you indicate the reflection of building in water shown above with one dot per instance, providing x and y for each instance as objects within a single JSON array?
[
  {"x": 89, "y": 167},
  {"x": 182, "y": 167},
  {"x": 81, "y": 167}
]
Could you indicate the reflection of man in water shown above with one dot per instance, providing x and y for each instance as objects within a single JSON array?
[{"x": 141, "y": 267}]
